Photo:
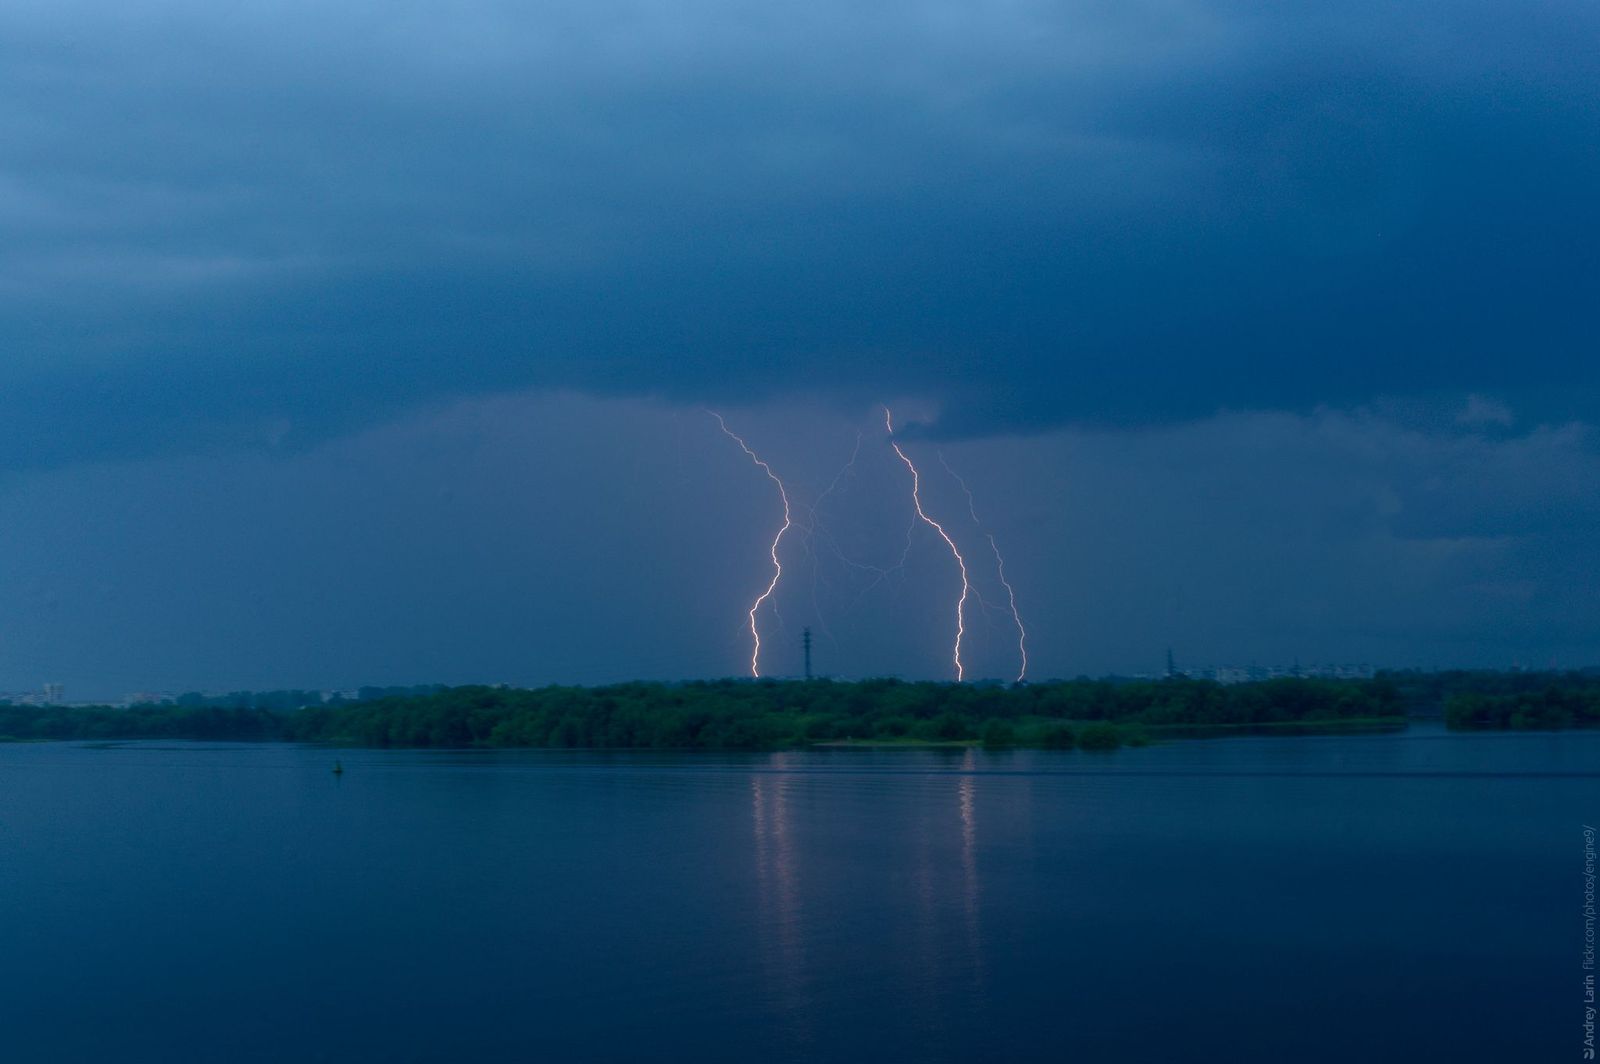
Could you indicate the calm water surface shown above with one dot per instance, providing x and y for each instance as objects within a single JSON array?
[{"x": 1385, "y": 897}]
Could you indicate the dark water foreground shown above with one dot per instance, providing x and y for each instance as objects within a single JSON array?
[{"x": 1375, "y": 897}]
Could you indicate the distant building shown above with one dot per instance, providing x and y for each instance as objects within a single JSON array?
[
  {"x": 53, "y": 694},
  {"x": 147, "y": 698},
  {"x": 1256, "y": 673}
]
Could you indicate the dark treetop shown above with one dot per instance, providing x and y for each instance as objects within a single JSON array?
[{"x": 731, "y": 714}]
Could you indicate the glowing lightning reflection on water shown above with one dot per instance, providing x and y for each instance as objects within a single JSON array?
[
  {"x": 777, "y": 566},
  {"x": 916, "y": 500}
]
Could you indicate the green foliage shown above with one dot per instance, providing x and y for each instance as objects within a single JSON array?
[
  {"x": 998, "y": 734},
  {"x": 139, "y": 722},
  {"x": 1523, "y": 707},
  {"x": 948, "y": 726},
  {"x": 1100, "y": 736},
  {"x": 1052, "y": 736},
  {"x": 738, "y": 714}
]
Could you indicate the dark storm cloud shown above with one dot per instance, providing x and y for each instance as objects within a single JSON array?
[{"x": 267, "y": 222}]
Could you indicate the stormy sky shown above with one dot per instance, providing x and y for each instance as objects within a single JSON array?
[{"x": 354, "y": 343}]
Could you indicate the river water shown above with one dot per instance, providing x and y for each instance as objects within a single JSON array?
[{"x": 1412, "y": 896}]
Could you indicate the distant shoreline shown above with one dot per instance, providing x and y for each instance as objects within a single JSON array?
[{"x": 773, "y": 715}]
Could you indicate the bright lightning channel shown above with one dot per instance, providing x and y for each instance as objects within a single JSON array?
[
  {"x": 1000, "y": 567},
  {"x": 916, "y": 500},
  {"x": 777, "y": 566},
  {"x": 1022, "y": 633}
]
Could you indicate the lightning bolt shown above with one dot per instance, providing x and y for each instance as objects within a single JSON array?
[
  {"x": 777, "y": 566},
  {"x": 848, "y": 468},
  {"x": 1022, "y": 633},
  {"x": 916, "y": 500},
  {"x": 1000, "y": 567}
]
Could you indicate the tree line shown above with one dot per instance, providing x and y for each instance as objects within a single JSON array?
[
  {"x": 772, "y": 714},
  {"x": 733, "y": 714}
]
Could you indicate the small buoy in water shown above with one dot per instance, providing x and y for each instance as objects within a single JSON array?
[{"x": 338, "y": 769}]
